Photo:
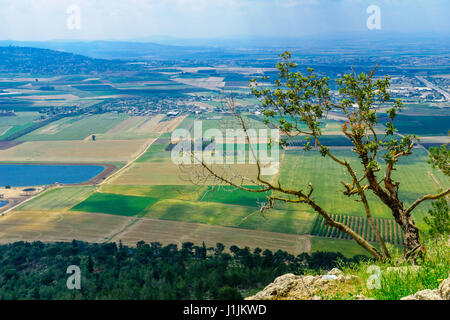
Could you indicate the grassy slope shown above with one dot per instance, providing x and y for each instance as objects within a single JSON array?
[{"x": 394, "y": 285}]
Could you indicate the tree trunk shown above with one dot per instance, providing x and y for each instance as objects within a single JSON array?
[{"x": 412, "y": 245}]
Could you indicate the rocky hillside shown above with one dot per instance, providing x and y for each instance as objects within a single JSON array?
[{"x": 334, "y": 285}]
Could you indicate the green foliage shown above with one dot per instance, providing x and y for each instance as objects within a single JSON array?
[
  {"x": 438, "y": 218},
  {"x": 228, "y": 293},
  {"x": 440, "y": 158},
  {"x": 400, "y": 280},
  {"x": 43, "y": 61},
  {"x": 146, "y": 272}
]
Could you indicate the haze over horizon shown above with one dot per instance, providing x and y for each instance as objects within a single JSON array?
[{"x": 165, "y": 20}]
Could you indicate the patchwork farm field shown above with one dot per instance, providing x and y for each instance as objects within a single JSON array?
[
  {"x": 294, "y": 222},
  {"x": 348, "y": 248},
  {"x": 224, "y": 122},
  {"x": 58, "y": 226},
  {"x": 75, "y": 128},
  {"x": 415, "y": 175},
  {"x": 168, "y": 173},
  {"x": 389, "y": 230},
  {"x": 11, "y": 125},
  {"x": 51, "y": 226},
  {"x": 56, "y": 199},
  {"x": 74, "y": 151},
  {"x": 157, "y": 152},
  {"x": 231, "y": 195},
  {"x": 176, "y": 232},
  {"x": 151, "y": 199},
  {"x": 114, "y": 204},
  {"x": 135, "y": 127},
  {"x": 180, "y": 192}
]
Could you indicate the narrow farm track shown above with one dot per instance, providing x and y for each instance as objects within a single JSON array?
[
  {"x": 124, "y": 228},
  {"x": 434, "y": 179},
  {"x": 129, "y": 163},
  {"x": 26, "y": 200}
]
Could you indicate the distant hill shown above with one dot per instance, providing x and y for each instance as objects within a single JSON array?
[
  {"x": 120, "y": 49},
  {"x": 49, "y": 62}
]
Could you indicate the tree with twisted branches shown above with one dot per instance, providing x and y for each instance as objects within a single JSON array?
[{"x": 297, "y": 104}]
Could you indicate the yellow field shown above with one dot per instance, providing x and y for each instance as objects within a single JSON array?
[
  {"x": 154, "y": 173},
  {"x": 75, "y": 151},
  {"x": 126, "y": 125},
  {"x": 58, "y": 226},
  {"x": 210, "y": 83},
  {"x": 50, "y": 226},
  {"x": 168, "y": 173},
  {"x": 150, "y": 124},
  {"x": 169, "y": 126},
  {"x": 177, "y": 232}
]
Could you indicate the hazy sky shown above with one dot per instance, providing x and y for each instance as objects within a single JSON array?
[{"x": 138, "y": 19}]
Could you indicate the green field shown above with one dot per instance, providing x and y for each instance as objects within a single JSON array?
[
  {"x": 300, "y": 167},
  {"x": 187, "y": 123},
  {"x": 389, "y": 230},
  {"x": 181, "y": 192},
  {"x": 294, "y": 222},
  {"x": 180, "y": 203},
  {"x": 231, "y": 195},
  {"x": 423, "y": 125},
  {"x": 10, "y": 125},
  {"x": 154, "y": 187},
  {"x": 224, "y": 122},
  {"x": 75, "y": 128},
  {"x": 156, "y": 153},
  {"x": 114, "y": 204},
  {"x": 58, "y": 199},
  {"x": 348, "y": 248}
]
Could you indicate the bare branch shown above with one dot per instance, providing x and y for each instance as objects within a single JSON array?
[{"x": 427, "y": 197}]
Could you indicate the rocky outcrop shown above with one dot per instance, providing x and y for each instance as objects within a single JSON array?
[
  {"x": 441, "y": 293},
  {"x": 424, "y": 295},
  {"x": 403, "y": 270},
  {"x": 444, "y": 289},
  {"x": 293, "y": 287}
]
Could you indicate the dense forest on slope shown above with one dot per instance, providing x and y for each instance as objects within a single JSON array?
[
  {"x": 148, "y": 271},
  {"x": 50, "y": 62}
]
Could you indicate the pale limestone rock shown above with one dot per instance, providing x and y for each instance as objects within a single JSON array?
[
  {"x": 444, "y": 289},
  {"x": 424, "y": 295},
  {"x": 292, "y": 287},
  {"x": 403, "y": 270},
  {"x": 329, "y": 277},
  {"x": 335, "y": 272},
  {"x": 277, "y": 289}
]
